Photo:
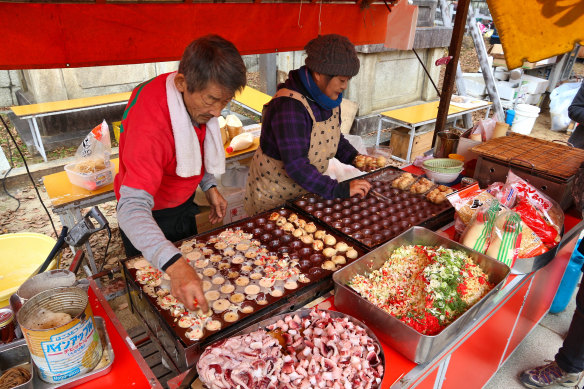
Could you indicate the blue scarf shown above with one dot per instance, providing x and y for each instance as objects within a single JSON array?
[{"x": 319, "y": 97}]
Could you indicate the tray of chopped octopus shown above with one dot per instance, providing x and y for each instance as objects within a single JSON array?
[
  {"x": 308, "y": 348},
  {"x": 398, "y": 201},
  {"x": 419, "y": 290},
  {"x": 246, "y": 267}
]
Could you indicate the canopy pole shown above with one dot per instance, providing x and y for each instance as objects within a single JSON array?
[{"x": 450, "y": 75}]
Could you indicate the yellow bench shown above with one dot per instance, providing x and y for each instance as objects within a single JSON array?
[
  {"x": 31, "y": 112},
  {"x": 252, "y": 99},
  {"x": 417, "y": 115}
]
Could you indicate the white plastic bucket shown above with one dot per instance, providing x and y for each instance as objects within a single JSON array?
[{"x": 525, "y": 116}]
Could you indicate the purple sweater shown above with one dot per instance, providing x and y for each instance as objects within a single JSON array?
[{"x": 285, "y": 136}]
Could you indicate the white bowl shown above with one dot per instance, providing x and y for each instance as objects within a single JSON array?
[{"x": 442, "y": 178}]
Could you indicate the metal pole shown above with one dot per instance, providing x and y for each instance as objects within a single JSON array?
[{"x": 450, "y": 76}]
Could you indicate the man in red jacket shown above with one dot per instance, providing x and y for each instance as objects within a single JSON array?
[{"x": 170, "y": 143}]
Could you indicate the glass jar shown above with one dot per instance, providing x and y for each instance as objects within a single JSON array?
[{"x": 7, "y": 333}]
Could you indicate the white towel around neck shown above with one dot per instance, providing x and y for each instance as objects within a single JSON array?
[{"x": 188, "y": 156}]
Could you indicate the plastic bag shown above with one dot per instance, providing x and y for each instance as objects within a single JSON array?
[
  {"x": 546, "y": 214},
  {"x": 478, "y": 233},
  {"x": 505, "y": 238},
  {"x": 531, "y": 216},
  {"x": 375, "y": 158},
  {"x": 466, "y": 202},
  {"x": 560, "y": 99},
  {"x": 92, "y": 168},
  {"x": 235, "y": 175},
  {"x": 93, "y": 155},
  {"x": 548, "y": 207},
  {"x": 485, "y": 127},
  {"x": 342, "y": 172}
]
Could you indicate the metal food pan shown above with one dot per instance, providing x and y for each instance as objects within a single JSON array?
[
  {"x": 193, "y": 375},
  {"x": 372, "y": 221},
  {"x": 260, "y": 226},
  {"x": 412, "y": 344},
  {"x": 16, "y": 354}
]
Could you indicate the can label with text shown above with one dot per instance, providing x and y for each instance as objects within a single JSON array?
[{"x": 67, "y": 343}]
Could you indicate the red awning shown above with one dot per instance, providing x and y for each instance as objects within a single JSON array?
[{"x": 49, "y": 35}]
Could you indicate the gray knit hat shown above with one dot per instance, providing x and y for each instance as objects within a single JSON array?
[{"x": 333, "y": 55}]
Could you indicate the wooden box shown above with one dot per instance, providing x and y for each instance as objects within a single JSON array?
[{"x": 400, "y": 140}]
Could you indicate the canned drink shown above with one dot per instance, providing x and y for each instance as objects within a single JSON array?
[{"x": 61, "y": 346}]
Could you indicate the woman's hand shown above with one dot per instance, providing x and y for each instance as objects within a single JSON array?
[
  {"x": 218, "y": 205},
  {"x": 359, "y": 188}
]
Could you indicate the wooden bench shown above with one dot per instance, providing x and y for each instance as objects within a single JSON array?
[
  {"x": 252, "y": 99},
  {"x": 31, "y": 112}
]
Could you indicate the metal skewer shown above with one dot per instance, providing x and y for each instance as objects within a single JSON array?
[{"x": 379, "y": 195}]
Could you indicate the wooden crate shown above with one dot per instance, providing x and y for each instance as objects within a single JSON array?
[{"x": 400, "y": 139}]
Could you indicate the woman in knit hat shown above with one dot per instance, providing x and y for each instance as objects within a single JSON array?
[{"x": 301, "y": 130}]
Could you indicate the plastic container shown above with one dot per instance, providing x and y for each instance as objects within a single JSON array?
[
  {"x": 7, "y": 333},
  {"x": 525, "y": 116},
  {"x": 20, "y": 255},
  {"x": 458, "y": 157},
  {"x": 91, "y": 181},
  {"x": 501, "y": 73},
  {"x": 569, "y": 280},
  {"x": 510, "y": 116},
  {"x": 444, "y": 165},
  {"x": 442, "y": 178}
]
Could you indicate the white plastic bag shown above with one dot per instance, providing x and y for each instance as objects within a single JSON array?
[
  {"x": 93, "y": 155},
  {"x": 342, "y": 172},
  {"x": 560, "y": 100},
  {"x": 235, "y": 175},
  {"x": 92, "y": 168}
]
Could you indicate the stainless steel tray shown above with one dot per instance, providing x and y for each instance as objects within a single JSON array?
[
  {"x": 412, "y": 344},
  {"x": 16, "y": 354},
  {"x": 192, "y": 375},
  {"x": 100, "y": 370}
]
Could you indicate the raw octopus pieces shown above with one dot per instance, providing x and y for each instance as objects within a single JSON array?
[{"x": 321, "y": 352}]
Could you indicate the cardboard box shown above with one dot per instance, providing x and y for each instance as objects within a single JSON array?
[
  {"x": 234, "y": 197},
  {"x": 543, "y": 62},
  {"x": 499, "y": 62},
  {"x": 497, "y": 51},
  {"x": 203, "y": 223},
  {"x": 400, "y": 139}
]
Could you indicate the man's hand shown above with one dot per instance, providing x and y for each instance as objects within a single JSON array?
[
  {"x": 186, "y": 286},
  {"x": 218, "y": 205},
  {"x": 359, "y": 188}
]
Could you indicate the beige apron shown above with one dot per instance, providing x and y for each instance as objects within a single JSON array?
[{"x": 268, "y": 184}]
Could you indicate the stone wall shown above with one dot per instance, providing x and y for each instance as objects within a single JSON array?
[{"x": 10, "y": 82}]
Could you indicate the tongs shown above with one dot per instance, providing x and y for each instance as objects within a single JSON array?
[{"x": 379, "y": 195}]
